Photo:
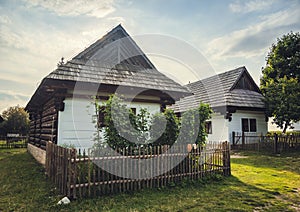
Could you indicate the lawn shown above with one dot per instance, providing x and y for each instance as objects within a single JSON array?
[{"x": 258, "y": 183}]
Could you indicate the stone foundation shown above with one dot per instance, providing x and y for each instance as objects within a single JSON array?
[{"x": 37, "y": 153}]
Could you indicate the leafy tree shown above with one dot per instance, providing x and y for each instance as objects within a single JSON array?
[
  {"x": 193, "y": 124},
  {"x": 140, "y": 122},
  {"x": 172, "y": 127},
  {"x": 280, "y": 81},
  {"x": 118, "y": 119},
  {"x": 159, "y": 134},
  {"x": 189, "y": 126},
  {"x": 124, "y": 129},
  {"x": 204, "y": 111},
  {"x": 16, "y": 120},
  {"x": 2, "y": 130}
]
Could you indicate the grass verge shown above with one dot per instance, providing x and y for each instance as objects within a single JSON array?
[{"x": 258, "y": 182}]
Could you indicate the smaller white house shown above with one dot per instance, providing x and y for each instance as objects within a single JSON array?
[{"x": 236, "y": 101}]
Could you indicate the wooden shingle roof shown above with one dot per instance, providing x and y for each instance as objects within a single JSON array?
[
  {"x": 113, "y": 60},
  {"x": 234, "y": 88}
]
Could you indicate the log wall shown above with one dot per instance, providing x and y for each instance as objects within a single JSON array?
[{"x": 43, "y": 124}]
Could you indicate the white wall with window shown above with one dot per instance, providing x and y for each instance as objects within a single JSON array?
[
  {"x": 219, "y": 128},
  {"x": 75, "y": 123},
  {"x": 251, "y": 122}
]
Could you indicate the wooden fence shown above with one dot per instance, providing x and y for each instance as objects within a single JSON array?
[
  {"x": 9, "y": 142},
  {"x": 274, "y": 143},
  {"x": 81, "y": 176}
]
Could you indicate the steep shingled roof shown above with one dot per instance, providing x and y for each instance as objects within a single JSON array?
[
  {"x": 223, "y": 90},
  {"x": 116, "y": 59},
  {"x": 113, "y": 60}
]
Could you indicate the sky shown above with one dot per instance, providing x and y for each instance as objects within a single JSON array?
[{"x": 35, "y": 34}]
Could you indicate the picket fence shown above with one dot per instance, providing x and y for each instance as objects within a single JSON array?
[
  {"x": 79, "y": 176},
  {"x": 270, "y": 143}
]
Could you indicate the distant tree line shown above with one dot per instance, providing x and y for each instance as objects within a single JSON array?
[{"x": 14, "y": 120}]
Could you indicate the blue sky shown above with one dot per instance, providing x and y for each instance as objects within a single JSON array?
[{"x": 35, "y": 34}]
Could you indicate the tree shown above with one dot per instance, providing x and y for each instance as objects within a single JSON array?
[
  {"x": 119, "y": 122},
  {"x": 124, "y": 129},
  {"x": 16, "y": 120},
  {"x": 159, "y": 134},
  {"x": 280, "y": 81},
  {"x": 2, "y": 130},
  {"x": 193, "y": 124},
  {"x": 204, "y": 111}
]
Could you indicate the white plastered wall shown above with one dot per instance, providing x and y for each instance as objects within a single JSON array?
[
  {"x": 75, "y": 123},
  {"x": 219, "y": 128},
  {"x": 236, "y": 122},
  {"x": 222, "y": 129}
]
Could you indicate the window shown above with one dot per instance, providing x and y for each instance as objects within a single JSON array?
[
  {"x": 208, "y": 127},
  {"x": 101, "y": 116},
  {"x": 249, "y": 125},
  {"x": 252, "y": 125},
  {"x": 133, "y": 110},
  {"x": 245, "y": 125}
]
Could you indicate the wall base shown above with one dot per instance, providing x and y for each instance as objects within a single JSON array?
[{"x": 37, "y": 153}]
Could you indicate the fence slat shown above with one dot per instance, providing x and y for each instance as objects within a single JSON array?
[
  {"x": 80, "y": 177},
  {"x": 275, "y": 143}
]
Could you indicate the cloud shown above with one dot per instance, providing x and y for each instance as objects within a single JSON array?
[
  {"x": 10, "y": 98},
  {"x": 4, "y": 19},
  {"x": 31, "y": 49},
  {"x": 255, "y": 39},
  {"x": 7, "y": 94},
  {"x": 249, "y": 6},
  {"x": 94, "y": 8},
  {"x": 29, "y": 56}
]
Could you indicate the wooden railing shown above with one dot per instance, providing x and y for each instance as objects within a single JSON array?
[
  {"x": 13, "y": 142},
  {"x": 273, "y": 143},
  {"x": 79, "y": 176}
]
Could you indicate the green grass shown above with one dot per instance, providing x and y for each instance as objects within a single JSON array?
[
  {"x": 4, "y": 142},
  {"x": 258, "y": 182}
]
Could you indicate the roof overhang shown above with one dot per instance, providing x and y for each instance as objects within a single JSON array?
[{"x": 52, "y": 88}]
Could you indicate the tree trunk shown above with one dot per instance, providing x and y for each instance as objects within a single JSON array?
[{"x": 285, "y": 127}]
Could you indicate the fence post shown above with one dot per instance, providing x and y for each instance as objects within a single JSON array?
[
  {"x": 275, "y": 143},
  {"x": 226, "y": 158},
  {"x": 233, "y": 138},
  {"x": 243, "y": 140},
  {"x": 74, "y": 172}
]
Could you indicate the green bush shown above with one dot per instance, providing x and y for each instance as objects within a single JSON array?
[{"x": 124, "y": 129}]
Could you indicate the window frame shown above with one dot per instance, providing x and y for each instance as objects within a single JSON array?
[
  {"x": 249, "y": 125},
  {"x": 208, "y": 127},
  {"x": 133, "y": 110},
  {"x": 101, "y": 117}
]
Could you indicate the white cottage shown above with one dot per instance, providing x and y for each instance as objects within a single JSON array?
[
  {"x": 236, "y": 101},
  {"x": 61, "y": 109}
]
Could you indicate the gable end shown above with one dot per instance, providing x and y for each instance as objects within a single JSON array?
[{"x": 245, "y": 82}]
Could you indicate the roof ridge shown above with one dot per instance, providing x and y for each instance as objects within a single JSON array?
[
  {"x": 127, "y": 50},
  {"x": 239, "y": 77},
  {"x": 105, "y": 36},
  {"x": 245, "y": 71},
  {"x": 220, "y": 74}
]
